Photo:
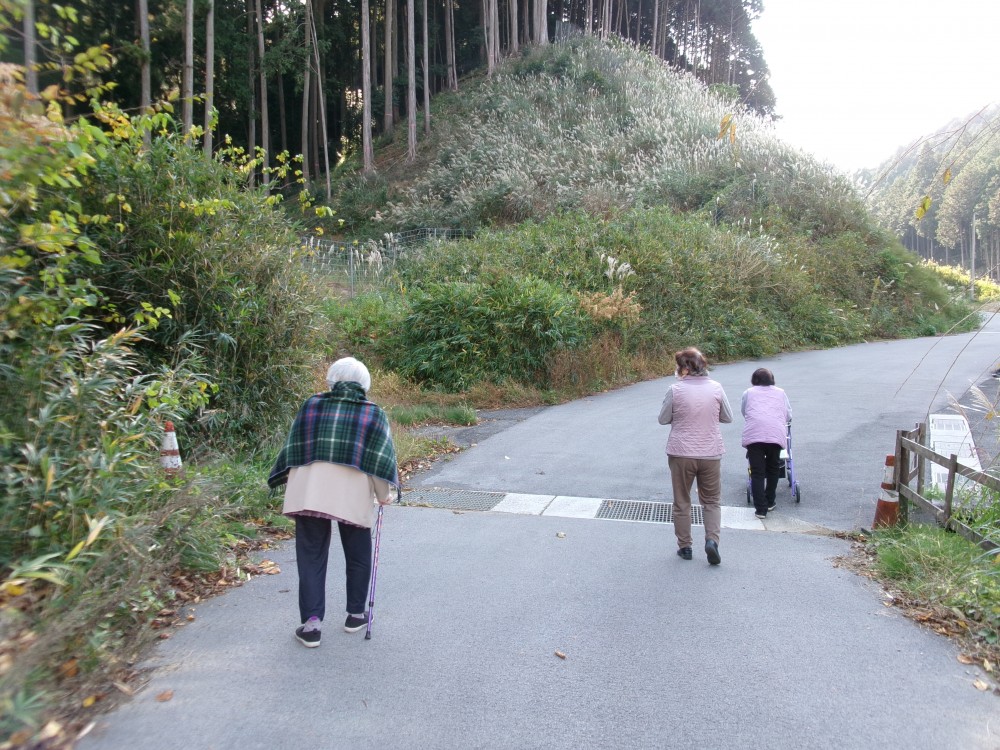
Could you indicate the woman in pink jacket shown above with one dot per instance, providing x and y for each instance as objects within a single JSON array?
[
  {"x": 765, "y": 434},
  {"x": 694, "y": 407}
]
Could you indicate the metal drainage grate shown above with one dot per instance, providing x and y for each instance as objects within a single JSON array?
[
  {"x": 640, "y": 510},
  {"x": 440, "y": 497}
]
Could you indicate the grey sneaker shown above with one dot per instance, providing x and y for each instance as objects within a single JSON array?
[
  {"x": 712, "y": 550},
  {"x": 353, "y": 624},
  {"x": 308, "y": 638}
]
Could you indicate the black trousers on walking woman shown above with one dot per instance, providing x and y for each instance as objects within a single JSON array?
[
  {"x": 765, "y": 470},
  {"x": 312, "y": 549}
]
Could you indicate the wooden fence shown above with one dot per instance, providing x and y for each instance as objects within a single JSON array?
[{"x": 911, "y": 462}]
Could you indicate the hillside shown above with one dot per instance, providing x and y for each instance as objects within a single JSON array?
[
  {"x": 583, "y": 124},
  {"x": 930, "y": 193},
  {"x": 583, "y": 158}
]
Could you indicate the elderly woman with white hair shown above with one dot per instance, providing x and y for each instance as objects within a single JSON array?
[{"x": 338, "y": 460}]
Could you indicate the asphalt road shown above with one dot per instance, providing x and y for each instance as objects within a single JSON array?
[
  {"x": 847, "y": 404},
  {"x": 778, "y": 647}
]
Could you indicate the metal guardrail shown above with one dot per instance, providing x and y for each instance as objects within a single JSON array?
[{"x": 364, "y": 264}]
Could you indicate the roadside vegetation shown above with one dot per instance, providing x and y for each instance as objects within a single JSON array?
[
  {"x": 945, "y": 583},
  {"x": 143, "y": 282}
]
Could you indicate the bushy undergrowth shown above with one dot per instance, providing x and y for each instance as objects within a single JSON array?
[
  {"x": 137, "y": 285},
  {"x": 611, "y": 293},
  {"x": 943, "y": 569},
  {"x": 456, "y": 333},
  {"x": 188, "y": 237},
  {"x": 957, "y": 278}
]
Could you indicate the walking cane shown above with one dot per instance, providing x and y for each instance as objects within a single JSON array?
[{"x": 371, "y": 595}]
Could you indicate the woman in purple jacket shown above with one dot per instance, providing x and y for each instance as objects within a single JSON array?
[
  {"x": 765, "y": 434},
  {"x": 693, "y": 407}
]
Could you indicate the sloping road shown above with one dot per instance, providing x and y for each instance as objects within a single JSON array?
[
  {"x": 776, "y": 648},
  {"x": 847, "y": 404}
]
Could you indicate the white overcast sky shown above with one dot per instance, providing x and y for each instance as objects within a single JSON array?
[{"x": 856, "y": 79}]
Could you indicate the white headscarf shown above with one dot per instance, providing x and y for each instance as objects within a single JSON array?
[{"x": 350, "y": 370}]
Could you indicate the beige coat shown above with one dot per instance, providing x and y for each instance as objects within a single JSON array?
[{"x": 342, "y": 493}]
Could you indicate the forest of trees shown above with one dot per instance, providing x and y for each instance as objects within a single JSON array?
[
  {"x": 942, "y": 197},
  {"x": 312, "y": 77}
]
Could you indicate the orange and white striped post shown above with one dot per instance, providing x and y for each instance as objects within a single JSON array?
[
  {"x": 887, "y": 509},
  {"x": 170, "y": 454}
]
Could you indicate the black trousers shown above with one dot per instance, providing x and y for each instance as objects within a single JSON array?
[
  {"x": 312, "y": 549},
  {"x": 765, "y": 470}
]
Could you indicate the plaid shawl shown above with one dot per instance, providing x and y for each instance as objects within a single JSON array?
[{"x": 342, "y": 427}]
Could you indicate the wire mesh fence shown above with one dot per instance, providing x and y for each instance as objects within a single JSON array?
[{"x": 359, "y": 266}]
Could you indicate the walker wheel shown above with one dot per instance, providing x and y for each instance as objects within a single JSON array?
[{"x": 798, "y": 493}]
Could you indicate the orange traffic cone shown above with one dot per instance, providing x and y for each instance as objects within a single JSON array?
[
  {"x": 170, "y": 455},
  {"x": 887, "y": 509}
]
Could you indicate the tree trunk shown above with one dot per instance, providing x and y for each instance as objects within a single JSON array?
[
  {"x": 209, "y": 77},
  {"x": 265, "y": 125},
  {"x": 187, "y": 85},
  {"x": 387, "y": 119},
  {"x": 411, "y": 83},
  {"x": 145, "y": 86},
  {"x": 512, "y": 25},
  {"x": 495, "y": 24},
  {"x": 368, "y": 158},
  {"x": 30, "y": 62},
  {"x": 252, "y": 115},
  {"x": 451, "y": 75},
  {"x": 372, "y": 47},
  {"x": 306, "y": 94},
  {"x": 487, "y": 42},
  {"x": 321, "y": 104},
  {"x": 427, "y": 76}
]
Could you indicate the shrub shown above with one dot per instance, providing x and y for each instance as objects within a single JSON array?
[
  {"x": 126, "y": 276},
  {"x": 363, "y": 326},
  {"x": 199, "y": 257},
  {"x": 459, "y": 333}
]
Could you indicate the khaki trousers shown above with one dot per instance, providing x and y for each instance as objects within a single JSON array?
[{"x": 683, "y": 473}]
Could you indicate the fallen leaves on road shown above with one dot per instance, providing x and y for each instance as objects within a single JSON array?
[
  {"x": 70, "y": 668},
  {"x": 560, "y": 535},
  {"x": 414, "y": 466},
  {"x": 560, "y": 654},
  {"x": 53, "y": 734},
  {"x": 165, "y": 696},
  {"x": 980, "y": 685},
  {"x": 965, "y": 659},
  {"x": 263, "y": 568},
  {"x": 122, "y": 687}
]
